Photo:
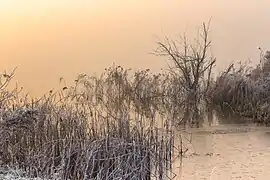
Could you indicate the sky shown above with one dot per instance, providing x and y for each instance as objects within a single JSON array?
[{"x": 49, "y": 39}]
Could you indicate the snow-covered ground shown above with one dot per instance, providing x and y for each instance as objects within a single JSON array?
[
  {"x": 16, "y": 174},
  {"x": 13, "y": 177}
]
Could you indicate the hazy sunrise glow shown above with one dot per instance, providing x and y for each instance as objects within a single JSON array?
[{"x": 69, "y": 37}]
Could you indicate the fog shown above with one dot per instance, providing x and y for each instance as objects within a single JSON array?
[{"x": 50, "y": 39}]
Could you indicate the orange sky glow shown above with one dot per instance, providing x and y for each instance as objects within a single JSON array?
[{"x": 49, "y": 39}]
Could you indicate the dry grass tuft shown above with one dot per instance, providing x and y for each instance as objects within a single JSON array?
[
  {"x": 244, "y": 92},
  {"x": 103, "y": 127}
]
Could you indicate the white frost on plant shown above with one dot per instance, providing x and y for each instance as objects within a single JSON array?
[
  {"x": 267, "y": 55},
  {"x": 18, "y": 174}
]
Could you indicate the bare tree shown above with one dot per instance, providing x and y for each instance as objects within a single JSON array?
[{"x": 193, "y": 64}]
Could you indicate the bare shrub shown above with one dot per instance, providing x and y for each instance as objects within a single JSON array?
[
  {"x": 191, "y": 67},
  {"x": 243, "y": 91}
]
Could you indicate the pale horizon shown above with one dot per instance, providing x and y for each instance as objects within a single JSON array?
[{"x": 49, "y": 39}]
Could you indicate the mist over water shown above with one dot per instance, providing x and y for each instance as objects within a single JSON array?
[
  {"x": 225, "y": 151},
  {"x": 50, "y": 40}
]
